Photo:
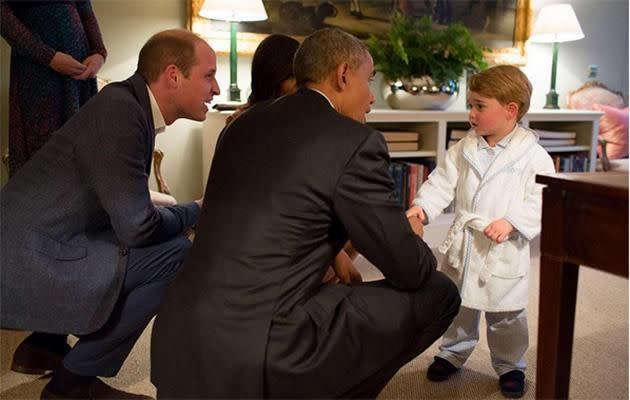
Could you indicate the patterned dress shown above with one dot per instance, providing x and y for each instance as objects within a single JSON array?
[{"x": 42, "y": 100}]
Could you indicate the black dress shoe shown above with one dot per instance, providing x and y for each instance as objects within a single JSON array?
[
  {"x": 440, "y": 370},
  {"x": 512, "y": 384},
  {"x": 40, "y": 353},
  {"x": 90, "y": 388}
]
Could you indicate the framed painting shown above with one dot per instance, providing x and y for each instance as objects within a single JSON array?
[{"x": 501, "y": 26}]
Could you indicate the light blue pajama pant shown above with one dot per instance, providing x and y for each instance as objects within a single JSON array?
[{"x": 507, "y": 335}]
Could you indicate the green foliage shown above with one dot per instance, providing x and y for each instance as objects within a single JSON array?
[{"x": 414, "y": 49}]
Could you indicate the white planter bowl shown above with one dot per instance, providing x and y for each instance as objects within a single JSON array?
[{"x": 420, "y": 94}]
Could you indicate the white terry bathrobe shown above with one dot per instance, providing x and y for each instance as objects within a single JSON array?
[{"x": 491, "y": 276}]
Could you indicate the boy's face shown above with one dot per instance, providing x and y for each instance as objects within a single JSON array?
[{"x": 489, "y": 118}]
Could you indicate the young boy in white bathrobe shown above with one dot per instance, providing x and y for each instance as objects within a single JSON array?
[{"x": 491, "y": 175}]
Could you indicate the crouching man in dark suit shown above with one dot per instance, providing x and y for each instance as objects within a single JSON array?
[
  {"x": 292, "y": 179},
  {"x": 83, "y": 249}
]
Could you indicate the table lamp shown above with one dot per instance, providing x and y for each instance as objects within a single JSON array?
[
  {"x": 233, "y": 11},
  {"x": 555, "y": 23}
]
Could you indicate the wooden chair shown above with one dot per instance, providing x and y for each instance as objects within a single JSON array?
[{"x": 163, "y": 195}]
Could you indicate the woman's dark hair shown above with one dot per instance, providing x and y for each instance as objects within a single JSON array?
[{"x": 272, "y": 64}]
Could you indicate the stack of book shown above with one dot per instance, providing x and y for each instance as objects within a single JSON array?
[
  {"x": 408, "y": 176},
  {"x": 454, "y": 136},
  {"x": 402, "y": 140},
  {"x": 555, "y": 138}
]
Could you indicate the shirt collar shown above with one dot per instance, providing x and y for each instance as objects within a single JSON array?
[
  {"x": 483, "y": 144},
  {"x": 158, "y": 118},
  {"x": 322, "y": 93}
]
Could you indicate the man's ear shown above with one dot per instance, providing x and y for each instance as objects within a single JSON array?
[
  {"x": 340, "y": 75},
  {"x": 172, "y": 74}
]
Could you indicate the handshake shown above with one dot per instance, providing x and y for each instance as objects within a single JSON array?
[{"x": 416, "y": 219}]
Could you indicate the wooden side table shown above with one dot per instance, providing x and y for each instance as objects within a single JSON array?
[{"x": 584, "y": 222}]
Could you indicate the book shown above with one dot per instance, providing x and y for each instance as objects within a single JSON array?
[
  {"x": 556, "y": 163},
  {"x": 454, "y": 136},
  {"x": 396, "y": 170},
  {"x": 556, "y": 142},
  {"x": 401, "y": 136},
  {"x": 544, "y": 134},
  {"x": 571, "y": 163},
  {"x": 458, "y": 134},
  {"x": 402, "y": 146},
  {"x": 412, "y": 183}
]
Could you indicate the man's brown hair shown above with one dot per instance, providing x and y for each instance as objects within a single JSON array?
[
  {"x": 174, "y": 46},
  {"x": 506, "y": 84}
]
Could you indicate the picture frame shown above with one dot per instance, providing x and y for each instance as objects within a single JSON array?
[{"x": 305, "y": 16}]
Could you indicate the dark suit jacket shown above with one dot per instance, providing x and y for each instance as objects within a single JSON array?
[
  {"x": 290, "y": 182},
  {"x": 71, "y": 213}
]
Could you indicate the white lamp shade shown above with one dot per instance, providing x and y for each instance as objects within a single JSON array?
[
  {"x": 556, "y": 23},
  {"x": 233, "y": 10}
]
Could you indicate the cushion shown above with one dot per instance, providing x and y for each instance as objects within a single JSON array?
[{"x": 613, "y": 127}]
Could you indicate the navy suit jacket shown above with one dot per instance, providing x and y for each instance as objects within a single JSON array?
[{"x": 72, "y": 212}]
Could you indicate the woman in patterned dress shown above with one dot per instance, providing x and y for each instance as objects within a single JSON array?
[{"x": 56, "y": 51}]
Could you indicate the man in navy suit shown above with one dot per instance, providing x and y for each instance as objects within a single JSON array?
[
  {"x": 84, "y": 251},
  {"x": 291, "y": 181}
]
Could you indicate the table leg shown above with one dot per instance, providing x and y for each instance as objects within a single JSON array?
[{"x": 556, "y": 317}]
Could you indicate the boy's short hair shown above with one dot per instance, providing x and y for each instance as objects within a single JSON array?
[
  {"x": 173, "y": 46},
  {"x": 323, "y": 50},
  {"x": 506, "y": 84}
]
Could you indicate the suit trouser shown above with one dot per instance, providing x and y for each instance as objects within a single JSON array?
[
  {"x": 149, "y": 272},
  {"x": 433, "y": 307},
  {"x": 433, "y": 318},
  {"x": 507, "y": 334},
  {"x": 432, "y": 326}
]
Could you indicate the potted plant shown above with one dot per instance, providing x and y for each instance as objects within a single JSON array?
[{"x": 421, "y": 64}]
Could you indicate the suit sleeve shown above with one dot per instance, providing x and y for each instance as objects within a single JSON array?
[
  {"x": 112, "y": 152},
  {"x": 376, "y": 223}
]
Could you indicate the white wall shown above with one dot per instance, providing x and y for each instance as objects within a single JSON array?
[
  {"x": 605, "y": 43},
  {"x": 126, "y": 25}
]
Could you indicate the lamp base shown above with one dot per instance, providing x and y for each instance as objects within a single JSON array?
[
  {"x": 235, "y": 92},
  {"x": 552, "y": 100}
]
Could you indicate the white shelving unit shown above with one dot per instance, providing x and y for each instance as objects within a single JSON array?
[
  {"x": 412, "y": 154},
  {"x": 434, "y": 125}
]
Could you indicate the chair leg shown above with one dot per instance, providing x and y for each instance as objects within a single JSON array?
[{"x": 158, "y": 155}]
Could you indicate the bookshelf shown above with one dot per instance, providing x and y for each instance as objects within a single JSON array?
[{"x": 433, "y": 127}]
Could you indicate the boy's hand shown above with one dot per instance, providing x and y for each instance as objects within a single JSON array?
[
  {"x": 416, "y": 211},
  {"x": 499, "y": 230},
  {"x": 416, "y": 225}
]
